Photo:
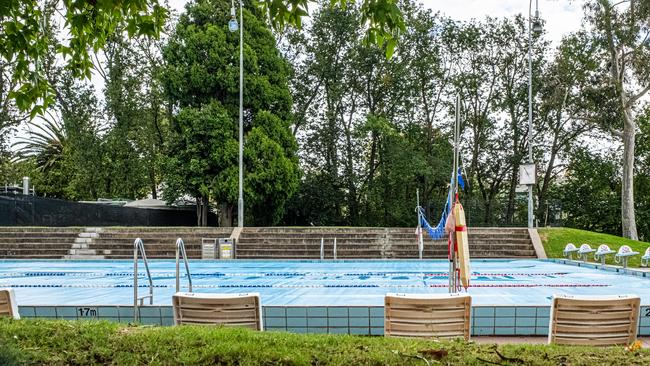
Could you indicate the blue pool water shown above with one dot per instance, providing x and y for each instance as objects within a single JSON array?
[{"x": 310, "y": 283}]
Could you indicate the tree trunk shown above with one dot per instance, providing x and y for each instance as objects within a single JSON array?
[
  {"x": 198, "y": 211},
  {"x": 627, "y": 196},
  {"x": 510, "y": 211},
  {"x": 202, "y": 208},
  {"x": 225, "y": 215},
  {"x": 204, "y": 212},
  {"x": 152, "y": 181}
]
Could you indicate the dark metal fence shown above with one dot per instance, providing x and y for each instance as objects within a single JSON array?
[{"x": 20, "y": 210}]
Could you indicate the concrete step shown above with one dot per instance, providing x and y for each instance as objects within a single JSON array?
[
  {"x": 89, "y": 252},
  {"x": 84, "y": 257},
  {"x": 36, "y": 245}
]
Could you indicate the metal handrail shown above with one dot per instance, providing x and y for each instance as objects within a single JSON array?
[
  {"x": 138, "y": 246},
  {"x": 334, "y": 247},
  {"x": 180, "y": 251},
  {"x": 322, "y": 248}
]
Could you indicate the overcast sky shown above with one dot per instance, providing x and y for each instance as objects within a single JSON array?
[{"x": 560, "y": 16}]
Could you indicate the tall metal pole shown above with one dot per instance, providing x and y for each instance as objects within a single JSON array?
[
  {"x": 453, "y": 286},
  {"x": 530, "y": 105},
  {"x": 240, "y": 202}
]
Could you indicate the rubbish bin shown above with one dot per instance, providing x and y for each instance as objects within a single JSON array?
[{"x": 226, "y": 248}]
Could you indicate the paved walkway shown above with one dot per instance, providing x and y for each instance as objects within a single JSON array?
[{"x": 532, "y": 340}]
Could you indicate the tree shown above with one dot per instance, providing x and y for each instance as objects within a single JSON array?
[
  {"x": 621, "y": 31},
  {"x": 136, "y": 117},
  {"x": 563, "y": 109},
  {"x": 484, "y": 143},
  {"x": 590, "y": 192},
  {"x": 86, "y": 25},
  {"x": 89, "y": 24},
  {"x": 200, "y": 80}
]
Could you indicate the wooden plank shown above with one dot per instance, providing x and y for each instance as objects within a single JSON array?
[
  {"x": 426, "y": 314},
  {"x": 605, "y": 329},
  {"x": 578, "y": 316},
  {"x": 592, "y": 342},
  {"x": 452, "y": 301},
  {"x": 428, "y": 335},
  {"x": 216, "y": 313}
]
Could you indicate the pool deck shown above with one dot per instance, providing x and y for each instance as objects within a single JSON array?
[{"x": 645, "y": 341}]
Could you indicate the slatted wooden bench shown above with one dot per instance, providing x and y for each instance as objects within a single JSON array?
[
  {"x": 233, "y": 310},
  {"x": 8, "y": 306},
  {"x": 427, "y": 315},
  {"x": 594, "y": 320}
]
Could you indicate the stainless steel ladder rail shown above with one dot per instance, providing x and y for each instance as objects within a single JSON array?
[
  {"x": 322, "y": 248},
  {"x": 138, "y": 247},
  {"x": 334, "y": 248},
  {"x": 180, "y": 251}
]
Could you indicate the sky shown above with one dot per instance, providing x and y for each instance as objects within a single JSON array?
[{"x": 560, "y": 16}]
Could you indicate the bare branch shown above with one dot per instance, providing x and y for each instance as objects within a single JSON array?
[{"x": 636, "y": 97}]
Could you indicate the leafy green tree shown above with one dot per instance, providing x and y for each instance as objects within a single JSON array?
[
  {"x": 136, "y": 117},
  {"x": 86, "y": 25},
  {"x": 200, "y": 79},
  {"x": 620, "y": 29},
  {"x": 590, "y": 192},
  {"x": 563, "y": 112}
]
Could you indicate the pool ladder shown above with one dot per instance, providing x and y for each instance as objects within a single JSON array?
[
  {"x": 138, "y": 248},
  {"x": 322, "y": 248},
  {"x": 180, "y": 251}
]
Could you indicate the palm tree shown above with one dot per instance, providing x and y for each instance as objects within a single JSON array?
[{"x": 45, "y": 143}]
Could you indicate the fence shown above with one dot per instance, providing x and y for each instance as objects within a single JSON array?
[{"x": 20, "y": 210}]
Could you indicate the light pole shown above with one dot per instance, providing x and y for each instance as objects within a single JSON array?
[
  {"x": 232, "y": 25},
  {"x": 533, "y": 24}
]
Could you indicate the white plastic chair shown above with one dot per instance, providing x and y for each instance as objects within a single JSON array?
[
  {"x": 583, "y": 252},
  {"x": 623, "y": 254},
  {"x": 569, "y": 249},
  {"x": 645, "y": 258},
  {"x": 602, "y": 252}
]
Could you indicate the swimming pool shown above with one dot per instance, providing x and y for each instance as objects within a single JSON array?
[{"x": 310, "y": 283}]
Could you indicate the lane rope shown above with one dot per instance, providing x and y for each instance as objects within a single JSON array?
[
  {"x": 82, "y": 286},
  {"x": 271, "y": 274}
]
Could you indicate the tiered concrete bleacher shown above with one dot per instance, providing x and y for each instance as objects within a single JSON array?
[
  {"x": 304, "y": 243},
  {"x": 159, "y": 242},
  {"x": 37, "y": 242},
  {"x": 101, "y": 243},
  {"x": 254, "y": 243}
]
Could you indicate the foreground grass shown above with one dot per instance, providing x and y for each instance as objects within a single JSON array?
[
  {"x": 57, "y": 342},
  {"x": 555, "y": 239}
]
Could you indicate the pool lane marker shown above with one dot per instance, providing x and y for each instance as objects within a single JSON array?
[
  {"x": 296, "y": 274},
  {"x": 302, "y": 286}
]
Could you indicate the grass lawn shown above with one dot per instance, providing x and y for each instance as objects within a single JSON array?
[
  {"x": 59, "y": 342},
  {"x": 555, "y": 239}
]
